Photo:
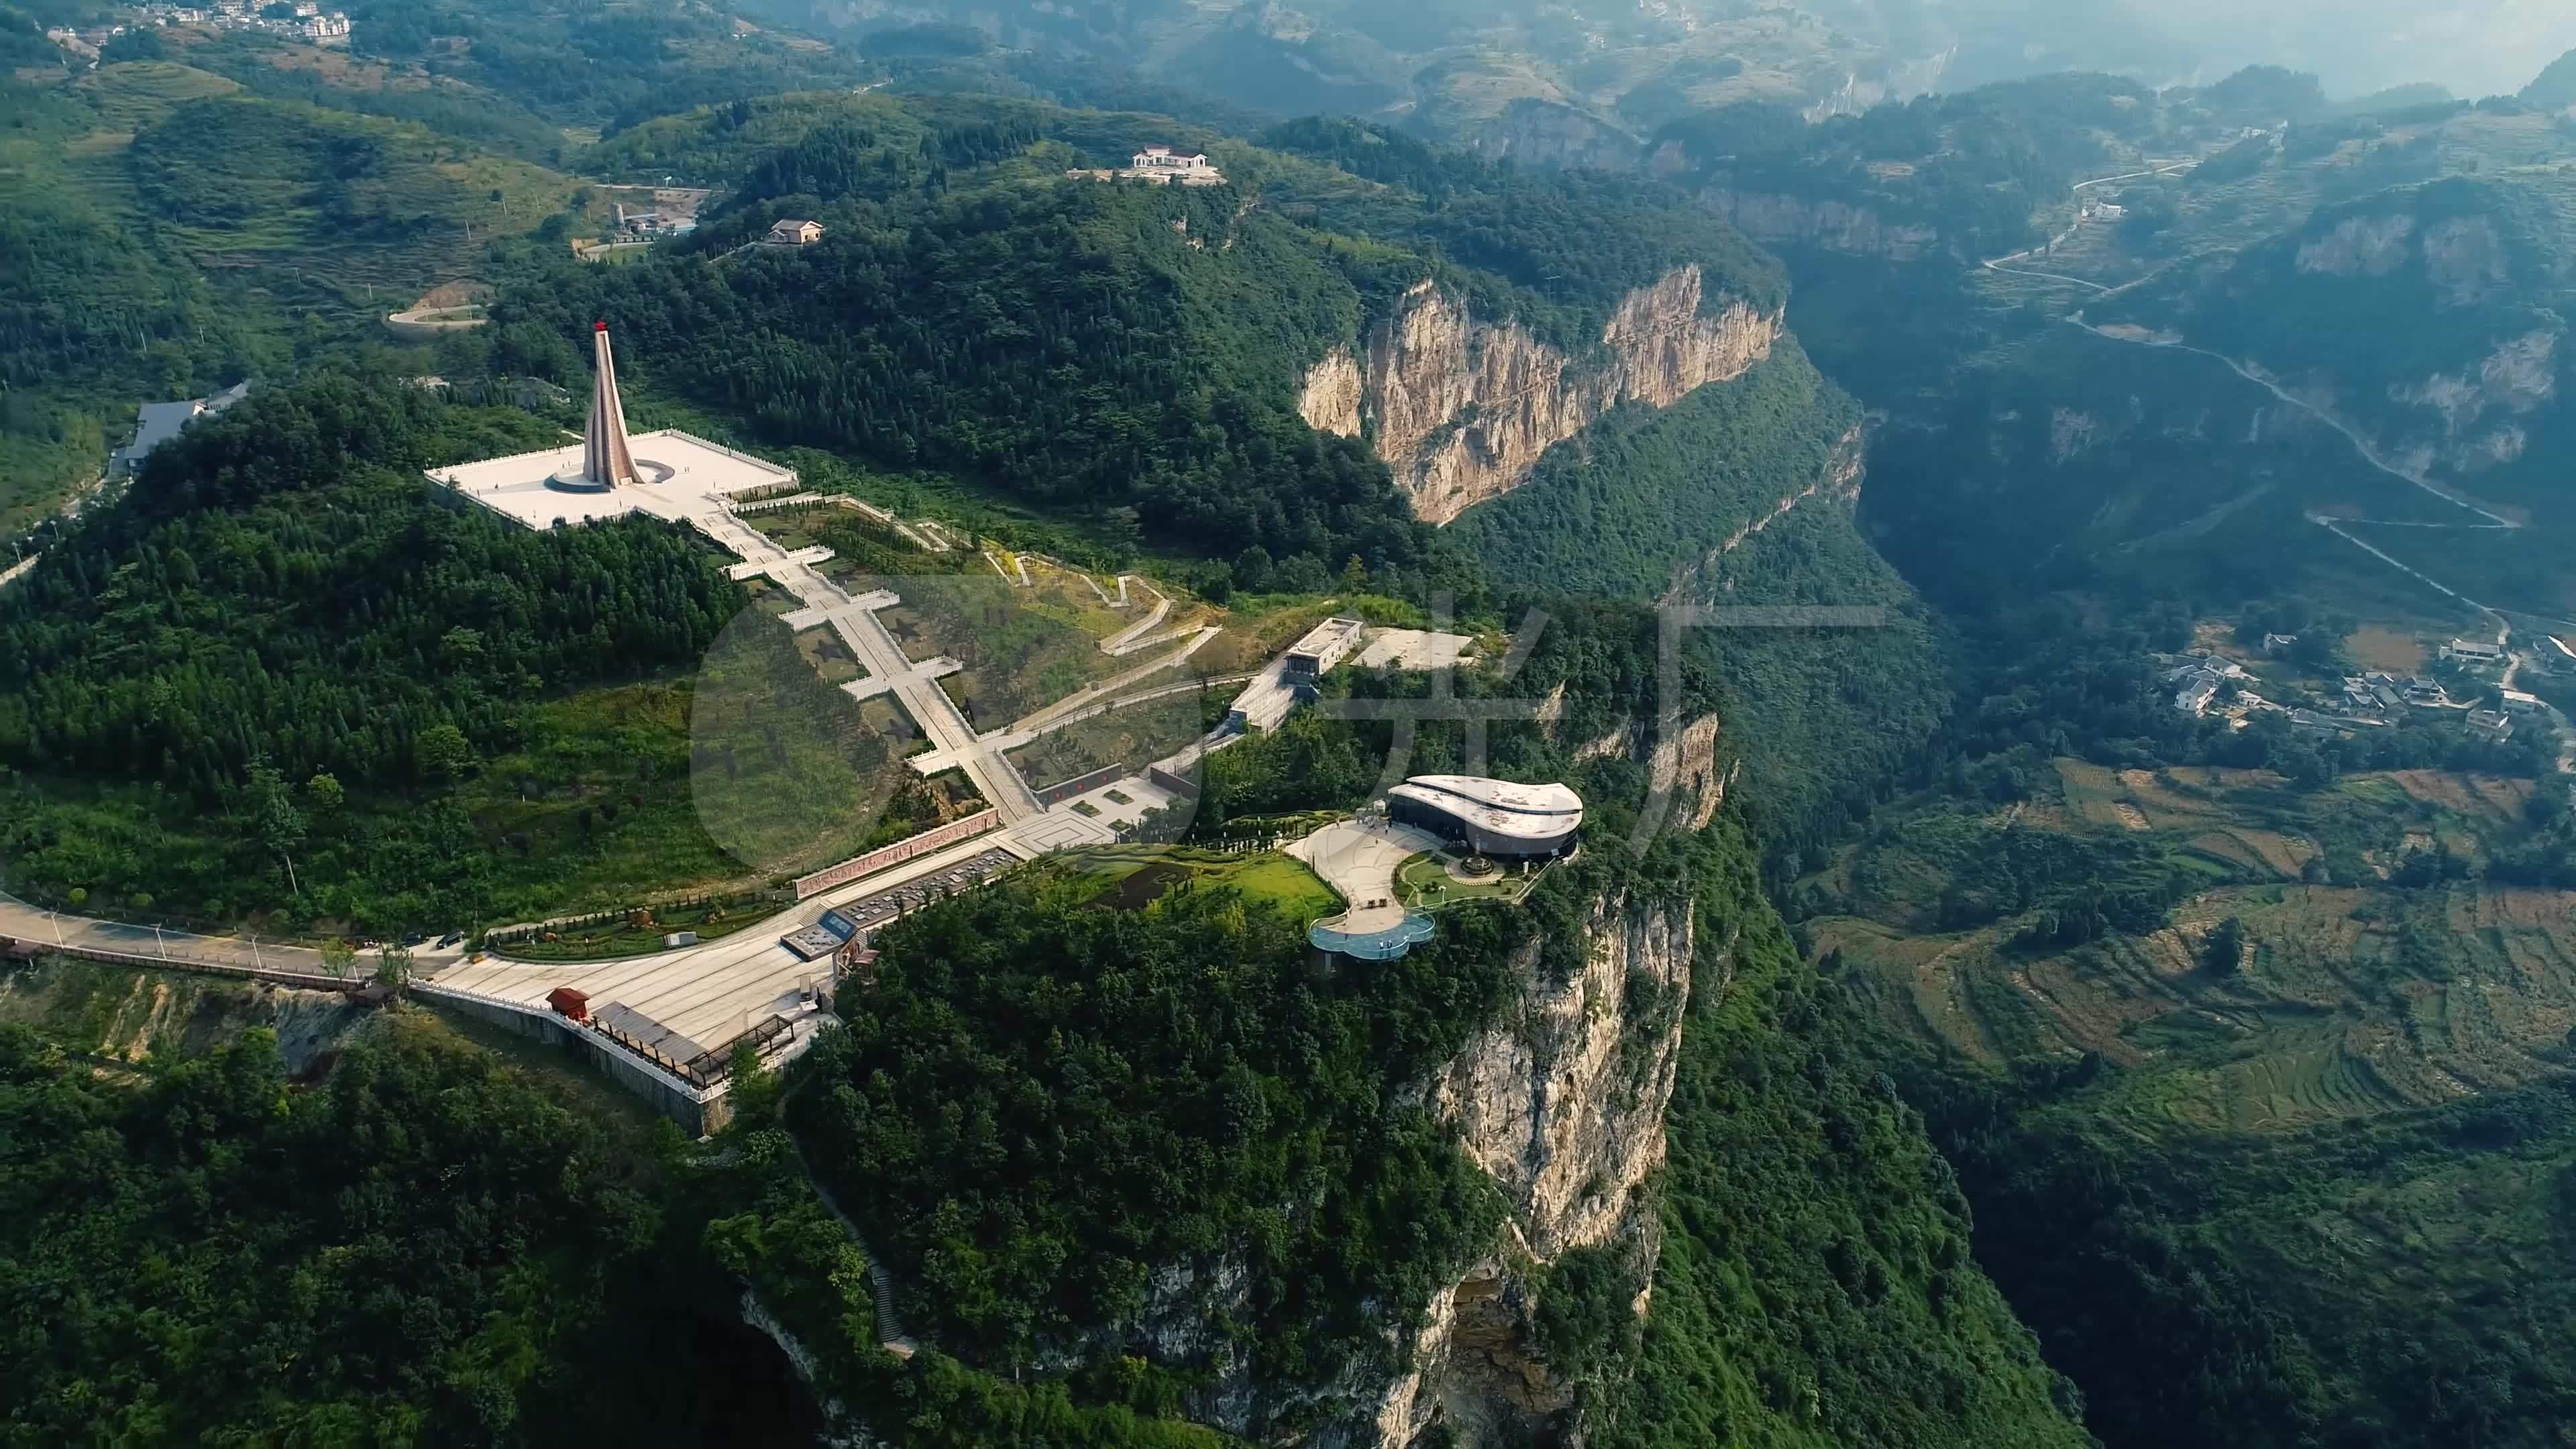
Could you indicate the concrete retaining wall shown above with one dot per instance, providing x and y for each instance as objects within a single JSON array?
[
  {"x": 1054, "y": 795},
  {"x": 939, "y": 838},
  {"x": 698, "y": 1112}
]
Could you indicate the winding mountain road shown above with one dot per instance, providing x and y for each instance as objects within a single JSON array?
[
  {"x": 1999, "y": 264},
  {"x": 2368, "y": 450}
]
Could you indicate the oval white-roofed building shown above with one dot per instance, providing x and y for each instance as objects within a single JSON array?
[{"x": 1490, "y": 817}]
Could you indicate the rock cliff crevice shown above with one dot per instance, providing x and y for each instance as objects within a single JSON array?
[
  {"x": 1563, "y": 1107},
  {"x": 1827, "y": 224},
  {"x": 1462, "y": 410},
  {"x": 1838, "y": 482}
]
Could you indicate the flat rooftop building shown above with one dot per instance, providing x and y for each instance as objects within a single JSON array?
[
  {"x": 160, "y": 422},
  {"x": 1324, "y": 646},
  {"x": 1490, "y": 817}
]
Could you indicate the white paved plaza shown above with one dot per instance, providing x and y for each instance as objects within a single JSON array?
[
  {"x": 1359, "y": 858},
  {"x": 686, "y": 477}
]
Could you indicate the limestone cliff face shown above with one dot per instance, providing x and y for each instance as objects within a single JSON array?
[
  {"x": 841, "y": 1428},
  {"x": 1537, "y": 132},
  {"x": 1688, "y": 770},
  {"x": 1829, "y": 225},
  {"x": 1564, "y": 1108},
  {"x": 1562, "y": 1104},
  {"x": 1462, "y": 410},
  {"x": 2476, "y": 413}
]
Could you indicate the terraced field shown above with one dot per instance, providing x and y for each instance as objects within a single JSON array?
[{"x": 2348, "y": 999}]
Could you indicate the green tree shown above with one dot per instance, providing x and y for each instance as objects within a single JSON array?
[
  {"x": 393, "y": 966},
  {"x": 2224, "y": 952},
  {"x": 443, "y": 753},
  {"x": 274, "y": 818},
  {"x": 755, "y": 1089},
  {"x": 338, "y": 957},
  {"x": 1252, "y": 569},
  {"x": 325, "y": 792}
]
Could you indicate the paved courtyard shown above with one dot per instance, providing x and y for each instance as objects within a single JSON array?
[
  {"x": 686, "y": 476},
  {"x": 1359, "y": 858}
]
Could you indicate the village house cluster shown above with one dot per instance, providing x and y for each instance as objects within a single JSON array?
[
  {"x": 674, "y": 212},
  {"x": 2208, "y": 681},
  {"x": 303, "y": 20}
]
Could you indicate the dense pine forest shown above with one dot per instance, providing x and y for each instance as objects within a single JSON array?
[
  {"x": 208, "y": 1250},
  {"x": 279, "y": 676},
  {"x": 279, "y": 589}
]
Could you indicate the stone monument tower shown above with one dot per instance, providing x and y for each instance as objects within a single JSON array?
[{"x": 606, "y": 461}]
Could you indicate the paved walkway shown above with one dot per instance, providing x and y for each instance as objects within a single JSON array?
[
  {"x": 1132, "y": 637},
  {"x": 1091, "y": 699},
  {"x": 145, "y": 944}
]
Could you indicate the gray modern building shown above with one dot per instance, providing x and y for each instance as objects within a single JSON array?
[
  {"x": 1490, "y": 817},
  {"x": 160, "y": 422}
]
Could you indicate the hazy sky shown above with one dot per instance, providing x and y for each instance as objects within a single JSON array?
[{"x": 2476, "y": 47}]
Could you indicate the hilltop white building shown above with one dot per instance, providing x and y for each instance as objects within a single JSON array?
[{"x": 1490, "y": 817}]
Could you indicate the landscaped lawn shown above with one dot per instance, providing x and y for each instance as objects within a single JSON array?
[
  {"x": 1425, "y": 881},
  {"x": 1283, "y": 881}
]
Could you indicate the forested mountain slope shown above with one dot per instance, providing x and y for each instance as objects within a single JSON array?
[
  {"x": 2218, "y": 1012},
  {"x": 170, "y": 233},
  {"x": 1580, "y": 377},
  {"x": 1382, "y": 1284},
  {"x": 274, "y": 670},
  {"x": 1583, "y": 83},
  {"x": 1112, "y": 350},
  {"x": 276, "y": 678},
  {"x": 214, "y": 203}
]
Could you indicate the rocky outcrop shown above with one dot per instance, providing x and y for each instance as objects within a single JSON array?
[
  {"x": 1463, "y": 410},
  {"x": 2477, "y": 407},
  {"x": 125, "y": 1014},
  {"x": 1561, "y": 1104},
  {"x": 1686, "y": 770},
  {"x": 1330, "y": 400},
  {"x": 842, "y": 1429},
  {"x": 2465, "y": 257},
  {"x": 2359, "y": 246},
  {"x": 1895, "y": 80},
  {"x": 1539, "y": 132},
  {"x": 1826, "y": 224},
  {"x": 1564, "y": 1108},
  {"x": 1838, "y": 483}
]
